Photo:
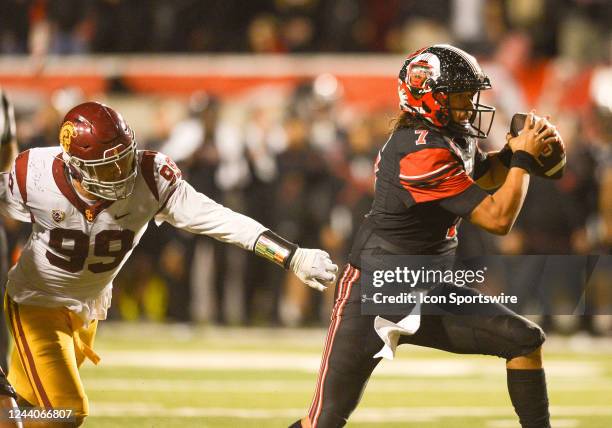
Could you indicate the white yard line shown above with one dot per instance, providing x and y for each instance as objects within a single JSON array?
[
  {"x": 158, "y": 385},
  {"x": 364, "y": 414},
  {"x": 513, "y": 423},
  {"x": 438, "y": 367}
]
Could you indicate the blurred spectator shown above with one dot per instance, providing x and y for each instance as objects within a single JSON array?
[
  {"x": 302, "y": 202},
  {"x": 193, "y": 144},
  {"x": 264, "y": 35},
  {"x": 264, "y": 139},
  {"x": 119, "y": 25},
  {"x": 71, "y": 26},
  {"x": 14, "y": 27},
  {"x": 41, "y": 128}
]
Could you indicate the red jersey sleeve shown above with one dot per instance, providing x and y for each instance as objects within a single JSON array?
[{"x": 433, "y": 173}]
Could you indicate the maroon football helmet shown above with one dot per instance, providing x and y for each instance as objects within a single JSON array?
[{"x": 99, "y": 150}]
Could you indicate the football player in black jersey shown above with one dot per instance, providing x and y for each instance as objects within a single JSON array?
[{"x": 429, "y": 175}]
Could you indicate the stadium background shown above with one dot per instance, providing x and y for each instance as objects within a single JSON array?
[{"x": 277, "y": 109}]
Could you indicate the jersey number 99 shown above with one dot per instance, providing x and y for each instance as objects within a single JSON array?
[{"x": 74, "y": 256}]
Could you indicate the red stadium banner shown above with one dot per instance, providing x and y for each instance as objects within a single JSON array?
[{"x": 366, "y": 80}]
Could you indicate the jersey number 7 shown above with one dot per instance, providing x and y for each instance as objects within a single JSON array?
[
  {"x": 422, "y": 134},
  {"x": 74, "y": 256}
]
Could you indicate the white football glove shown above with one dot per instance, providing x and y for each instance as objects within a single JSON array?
[{"x": 313, "y": 267}]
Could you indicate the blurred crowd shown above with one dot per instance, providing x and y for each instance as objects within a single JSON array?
[
  {"x": 304, "y": 166},
  {"x": 290, "y": 26}
]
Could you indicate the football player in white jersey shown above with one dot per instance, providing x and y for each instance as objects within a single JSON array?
[{"x": 89, "y": 202}]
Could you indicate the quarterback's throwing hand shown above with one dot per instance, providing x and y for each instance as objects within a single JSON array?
[{"x": 313, "y": 267}]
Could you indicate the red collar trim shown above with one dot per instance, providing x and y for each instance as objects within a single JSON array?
[{"x": 61, "y": 180}]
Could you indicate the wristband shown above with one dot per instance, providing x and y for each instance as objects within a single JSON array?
[
  {"x": 522, "y": 159},
  {"x": 505, "y": 156},
  {"x": 275, "y": 248}
]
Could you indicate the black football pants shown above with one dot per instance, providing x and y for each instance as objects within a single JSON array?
[{"x": 351, "y": 342}]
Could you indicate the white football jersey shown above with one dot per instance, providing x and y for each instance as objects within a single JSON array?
[{"x": 76, "y": 249}]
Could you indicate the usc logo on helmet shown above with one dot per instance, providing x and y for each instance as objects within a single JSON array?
[{"x": 66, "y": 134}]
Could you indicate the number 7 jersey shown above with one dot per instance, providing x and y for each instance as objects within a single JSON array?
[{"x": 77, "y": 248}]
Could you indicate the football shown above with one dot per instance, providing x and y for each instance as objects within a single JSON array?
[{"x": 552, "y": 160}]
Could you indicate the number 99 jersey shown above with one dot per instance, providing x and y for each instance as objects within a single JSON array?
[{"x": 77, "y": 247}]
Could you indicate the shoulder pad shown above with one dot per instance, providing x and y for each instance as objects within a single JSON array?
[
  {"x": 159, "y": 172},
  {"x": 413, "y": 140}
]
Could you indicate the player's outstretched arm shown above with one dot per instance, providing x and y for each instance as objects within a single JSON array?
[
  {"x": 498, "y": 212},
  {"x": 196, "y": 213},
  {"x": 8, "y": 140}
]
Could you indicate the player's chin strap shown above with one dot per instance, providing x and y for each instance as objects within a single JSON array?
[{"x": 275, "y": 248}]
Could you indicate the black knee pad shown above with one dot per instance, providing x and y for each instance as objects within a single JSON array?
[
  {"x": 505, "y": 336},
  {"x": 525, "y": 335}
]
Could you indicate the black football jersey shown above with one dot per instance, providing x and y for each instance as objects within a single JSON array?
[{"x": 424, "y": 186}]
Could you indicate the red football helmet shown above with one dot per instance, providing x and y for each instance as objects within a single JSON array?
[
  {"x": 100, "y": 150},
  {"x": 427, "y": 78}
]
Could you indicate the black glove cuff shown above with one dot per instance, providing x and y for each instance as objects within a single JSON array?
[
  {"x": 275, "y": 248},
  {"x": 505, "y": 156},
  {"x": 522, "y": 159}
]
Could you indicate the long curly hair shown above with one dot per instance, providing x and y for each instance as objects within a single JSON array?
[{"x": 407, "y": 120}]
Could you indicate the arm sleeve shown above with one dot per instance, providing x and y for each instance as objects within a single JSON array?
[
  {"x": 435, "y": 174},
  {"x": 464, "y": 203},
  {"x": 194, "y": 212},
  {"x": 183, "y": 207},
  {"x": 482, "y": 163},
  {"x": 12, "y": 203}
]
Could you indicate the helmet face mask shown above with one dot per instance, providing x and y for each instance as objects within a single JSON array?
[
  {"x": 479, "y": 121},
  {"x": 99, "y": 149},
  {"x": 427, "y": 81},
  {"x": 111, "y": 178}
]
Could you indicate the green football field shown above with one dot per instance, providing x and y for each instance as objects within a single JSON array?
[{"x": 174, "y": 376}]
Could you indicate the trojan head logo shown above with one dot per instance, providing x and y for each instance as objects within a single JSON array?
[
  {"x": 67, "y": 133},
  {"x": 58, "y": 215}
]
